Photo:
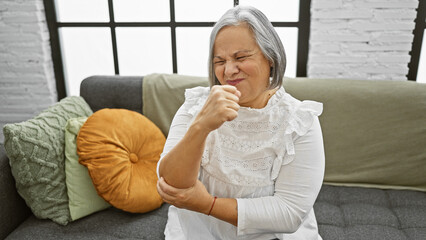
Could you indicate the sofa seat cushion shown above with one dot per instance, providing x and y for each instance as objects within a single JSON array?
[
  {"x": 344, "y": 213},
  {"x": 367, "y": 213},
  {"x": 111, "y": 223}
]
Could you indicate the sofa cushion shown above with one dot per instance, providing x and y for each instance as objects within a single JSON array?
[
  {"x": 13, "y": 210},
  {"x": 367, "y": 213},
  {"x": 333, "y": 210},
  {"x": 36, "y": 152},
  {"x": 111, "y": 224},
  {"x": 83, "y": 198},
  {"x": 121, "y": 149},
  {"x": 374, "y": 131}
]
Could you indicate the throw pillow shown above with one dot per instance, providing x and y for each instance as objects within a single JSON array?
[
  {"x": 36, "y": 153},
  {"x": 121, "y": 149},
  {"x": 83, "y": 198}
]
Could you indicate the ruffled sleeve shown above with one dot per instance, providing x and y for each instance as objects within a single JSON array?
[
  {"x": 195, "y": 99},
  {"x": 301, "y": 118}
]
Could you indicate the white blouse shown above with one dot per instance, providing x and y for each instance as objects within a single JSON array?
[{"x": 271, "y": 160}]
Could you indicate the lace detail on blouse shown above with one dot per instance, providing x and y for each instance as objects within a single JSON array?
[
  {"x": 274, "y": 127},
  {"x": 247, "y": 146},
  {"x": 239, "y": 180},
  {"x": 255, "y": 164},
  {"x": 256, "y": 127},
  {"x": 252, "y": 164},
  {"x": 250, "y": 171}
]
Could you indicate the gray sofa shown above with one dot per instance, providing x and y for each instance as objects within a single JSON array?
[{"x": 343, "y": 210}]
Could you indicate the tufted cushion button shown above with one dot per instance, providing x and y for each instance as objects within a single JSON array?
[{"x": 133, "y": 158}]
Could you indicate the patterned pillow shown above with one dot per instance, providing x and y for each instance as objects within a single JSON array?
[
  {"x": 121, "y": 149},
  {"x": 36, "y": 153}
]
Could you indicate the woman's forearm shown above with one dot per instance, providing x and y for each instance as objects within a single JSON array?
[
  {"x": 196, "y": 198},
  {"x": 181, "y": 165}
]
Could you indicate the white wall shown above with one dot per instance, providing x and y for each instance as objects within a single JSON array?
[
  {"x": 365, "y": 39},
  {"x": 27, "y": 83}
]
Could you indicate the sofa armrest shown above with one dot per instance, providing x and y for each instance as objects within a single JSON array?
[
  {"x": 13, "y": 210},
  {"x": 112, "y": 92}
]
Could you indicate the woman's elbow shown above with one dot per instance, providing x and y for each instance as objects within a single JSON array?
[
  {"x": 292, "y": 218},
  {"x": 296, "y": 221}
]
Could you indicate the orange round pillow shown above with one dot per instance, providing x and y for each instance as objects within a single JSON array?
[{"x": 121, "y": 148}]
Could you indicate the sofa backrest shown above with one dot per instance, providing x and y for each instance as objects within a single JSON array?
[
  {"x": 113, "y": 92},
  {"x": 374, "y": 131}
]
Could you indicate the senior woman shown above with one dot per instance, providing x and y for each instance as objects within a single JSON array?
[{"x": 243, "y": 159}]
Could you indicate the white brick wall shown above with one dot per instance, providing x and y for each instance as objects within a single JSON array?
[
  {"x": 27, "y": 83},
  {"x": 361, "y": 39}
]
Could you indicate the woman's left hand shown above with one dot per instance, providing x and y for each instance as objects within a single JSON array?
[{"x": 195, "y": 198}]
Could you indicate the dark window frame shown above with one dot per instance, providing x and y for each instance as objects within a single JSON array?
[
  {"x": 303, "y": 25},
  {"x": 416, "y": 47}
]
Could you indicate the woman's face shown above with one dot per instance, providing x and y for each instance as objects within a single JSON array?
[{"x": 238, "y": 61}]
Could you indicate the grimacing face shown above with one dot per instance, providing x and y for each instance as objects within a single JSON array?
[{"x": 238, "y": 61}]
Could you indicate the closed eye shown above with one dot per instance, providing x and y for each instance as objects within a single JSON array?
[
  {"x": 219, "y": 62},
  {"x": 243, "y": 57}
]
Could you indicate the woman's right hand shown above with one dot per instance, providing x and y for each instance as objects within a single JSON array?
[
  {"x": 195, "y": 198},
  {"x": 221, "y": 106}
]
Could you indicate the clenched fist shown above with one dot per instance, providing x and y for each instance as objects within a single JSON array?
[{"x": 221, "y": 106}]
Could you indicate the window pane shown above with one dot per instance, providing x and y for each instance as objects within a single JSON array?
[
  {"x": 85, "y": 52},
  {"x": 142, "y": 51},
  {"x": 141, "y": 11},
  {"x": 82, "y": 11},
  {"x": 193, "y": 50},
  {"x": 421, "y": 72},
  {"x": 276, "y": 10},
  {"x": 289, "y": 39},
  {"x": 201, "y": 11}
]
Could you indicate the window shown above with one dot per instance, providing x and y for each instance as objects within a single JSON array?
[
  {"x": 138, "y": 37},
  {"x": 421, "y": 72}
]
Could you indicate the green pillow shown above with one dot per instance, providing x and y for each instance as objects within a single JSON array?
[
  {"x": 83, "y": 198},
  {"x": 36, "y": 153}
]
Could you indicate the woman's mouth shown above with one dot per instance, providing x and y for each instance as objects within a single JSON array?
[{"x": 235, "y": 81}]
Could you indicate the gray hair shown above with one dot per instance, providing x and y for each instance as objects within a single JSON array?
[{"x": 265, "y": 35}]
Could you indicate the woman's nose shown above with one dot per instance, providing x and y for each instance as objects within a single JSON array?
[{"x": 231, "y": 68}]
